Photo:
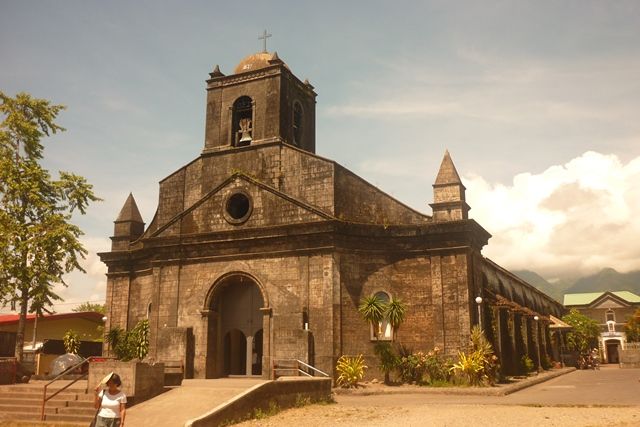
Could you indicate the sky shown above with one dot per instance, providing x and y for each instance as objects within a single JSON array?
[{"x": 538, "y": 103}]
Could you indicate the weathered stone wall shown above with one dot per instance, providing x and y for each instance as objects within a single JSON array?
[
  {"x": 434, "y": 288},
  {"x": 358, "y": 201},
  {"x": 140, "y": 381},
  {"x": 292, "y": 284}
]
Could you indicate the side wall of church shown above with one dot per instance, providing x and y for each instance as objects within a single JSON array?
[
  {"x": 433, "y": 287},
  {"x": 358, "y": 201}
]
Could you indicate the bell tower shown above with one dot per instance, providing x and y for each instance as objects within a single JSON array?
[{"x": 261, "y": 102}]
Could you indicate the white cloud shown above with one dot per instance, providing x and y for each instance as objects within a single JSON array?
[
  {"x": 89, "y": 286},
  {"x": 577, "y": 217}
]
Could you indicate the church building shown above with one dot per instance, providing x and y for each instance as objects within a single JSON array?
[{"x": 261, "y": 251}]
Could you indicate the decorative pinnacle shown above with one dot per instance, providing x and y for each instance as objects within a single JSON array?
[{"x": 216, "y": 72}]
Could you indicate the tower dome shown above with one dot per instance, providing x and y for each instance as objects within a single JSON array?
[{"x": 257, "y": 61}]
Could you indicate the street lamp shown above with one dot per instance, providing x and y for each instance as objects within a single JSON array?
[
  {"x": 536, "y": 318},
  {"x": 479, "y": 302}
]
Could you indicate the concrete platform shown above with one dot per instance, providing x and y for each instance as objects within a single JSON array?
[{"x": 192, "y": 399}]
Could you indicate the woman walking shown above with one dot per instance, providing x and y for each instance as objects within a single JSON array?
[{"x": 110, "y": 403}]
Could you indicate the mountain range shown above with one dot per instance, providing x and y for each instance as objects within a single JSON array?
[{"x": 606, "y": 279}]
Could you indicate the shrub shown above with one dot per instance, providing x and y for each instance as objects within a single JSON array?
[
  {"x": 479, "y": 366},
  {"x": 527, "y": 364},
  {"x": 546, "y": 362},
  {"x": 480, "y": 344},
  {"x": 422, "y": 368},
  {"x": 469, "y": 368},
  {"x": 388, "y": 359},
  {"x": 71, "y": 341},
  {"x": 436, "y": 368},
  {"x": 412, "y": 367},
  {"x": 350, "y": 371},
  {"x": 128, "y": 345}
]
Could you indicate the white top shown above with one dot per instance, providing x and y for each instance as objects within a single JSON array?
[{"x": 110, "y": 407}]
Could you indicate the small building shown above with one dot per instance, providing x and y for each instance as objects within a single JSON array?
[
  {"x": 50, "y": 327},
  {"x": 610, "y": 309}
]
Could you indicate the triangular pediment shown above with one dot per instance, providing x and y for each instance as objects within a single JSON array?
[
  {"x": 609, "y": 300},
  {"x": 241, "y": 202}
]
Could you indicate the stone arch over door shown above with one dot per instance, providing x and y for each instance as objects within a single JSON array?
[{"x": 238, "y": 327}]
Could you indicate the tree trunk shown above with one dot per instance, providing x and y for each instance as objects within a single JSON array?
[{"x": 22, "y": 322}]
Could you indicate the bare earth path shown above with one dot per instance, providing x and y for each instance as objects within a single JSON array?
[{"x": 609, "y": 397}]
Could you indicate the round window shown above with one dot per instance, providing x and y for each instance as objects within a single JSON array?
[{"x": 237, "y": 208}]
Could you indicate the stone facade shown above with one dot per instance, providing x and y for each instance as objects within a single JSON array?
[{"x": 260, "y": 250}]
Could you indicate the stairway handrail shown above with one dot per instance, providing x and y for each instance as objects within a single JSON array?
[
  {"x": 45, "y": 399},
  {"x": 296, "y": 368},
  {"x": 312, "y": 367}
]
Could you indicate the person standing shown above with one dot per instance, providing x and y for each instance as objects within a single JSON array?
[{"x": 111, "y": 403}]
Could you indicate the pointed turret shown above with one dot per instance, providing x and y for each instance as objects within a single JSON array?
[
  {"x": 448, "y": 193},
  {"x": 216, "y": 72},
  {"x": 275, "y": 59},
  {"x": 128, "y": 226}
]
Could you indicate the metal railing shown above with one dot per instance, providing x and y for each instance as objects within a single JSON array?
[
  {"x": 297, "y": 366},
  {"x": 45, "y": 399}
]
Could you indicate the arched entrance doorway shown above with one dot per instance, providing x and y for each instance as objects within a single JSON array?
[{"x": 235, "y": 325}]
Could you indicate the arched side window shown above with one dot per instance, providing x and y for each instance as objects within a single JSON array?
[
  {"x": 384, "y": 331},
  {"x": 242, "y": 122},
  {"x": 298, "y": 116},
  {"x": 149, "y": 311}
]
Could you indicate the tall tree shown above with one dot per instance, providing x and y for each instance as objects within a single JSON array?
[
  {"x": 585, "y": 332},
  {"x": 38, "y": 242},
  {"x": 632, "y": 327}
]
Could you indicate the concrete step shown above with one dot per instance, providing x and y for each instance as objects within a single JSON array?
[
  {"x": 33, "y": 417},
  {"x": 27, "y": 409},
  {"x": 71, "y": 418},
  {"x": 76, "y": 411},
  {"x": 26, "y": 388},
  {"x": 34, "y": 401},
  {"x": 60, "y": 396}
]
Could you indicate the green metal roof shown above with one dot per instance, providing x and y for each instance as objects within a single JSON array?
[
  {"x": 589, "y": 297},
  {"x": 627, "y": 296}
]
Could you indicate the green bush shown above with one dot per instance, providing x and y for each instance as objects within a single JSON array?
[
  {"x": 546, "y": 362},
  {"x": 481, "y": 344},
  {"x": 412, "y": 368},
  {"x": 437, "y": 368},
  {"x": 527, "y": 364},
  {"x": 350, "y": 371},
  {"x": 478, "y": 366},
  {"x": 388, "y": 359},
  {"x": 469, "y": 369},
  {"x": 129, "y": 345},
  {"x": 422, "y": 368}
]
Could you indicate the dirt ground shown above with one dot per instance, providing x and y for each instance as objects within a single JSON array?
[{"x": 406, "y": 410}]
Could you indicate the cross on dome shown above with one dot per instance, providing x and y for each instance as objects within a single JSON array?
[{"x": 264, "y": 37}]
